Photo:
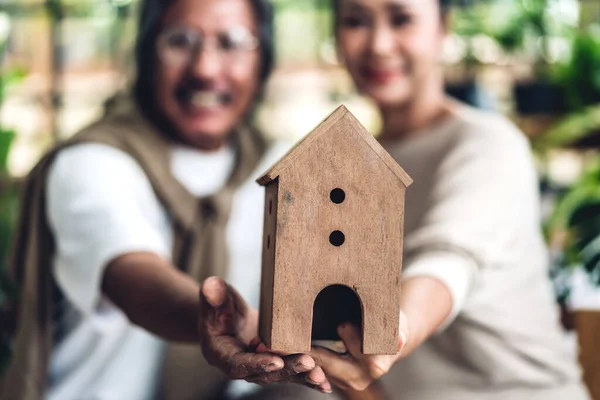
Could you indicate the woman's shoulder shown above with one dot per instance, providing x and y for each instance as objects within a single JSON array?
[
  {"x": 486, "y": 132},
  {"x": 486, "y": 128}
]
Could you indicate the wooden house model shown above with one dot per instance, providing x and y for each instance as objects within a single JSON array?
[{"x": 334, "y": 216}]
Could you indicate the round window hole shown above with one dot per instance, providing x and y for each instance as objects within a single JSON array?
[
  {"x": 337, "y": 195},
  {"x": 337, "y": 238}
]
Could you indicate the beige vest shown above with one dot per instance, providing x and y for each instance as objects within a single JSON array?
[{"x": 199, "y": 249}]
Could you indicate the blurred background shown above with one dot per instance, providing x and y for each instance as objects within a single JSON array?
[{"x": 537, "y": 61}]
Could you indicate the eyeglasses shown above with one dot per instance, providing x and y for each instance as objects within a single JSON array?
[{"x": 179, "y": 46}]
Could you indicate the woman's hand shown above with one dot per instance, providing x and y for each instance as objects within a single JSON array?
[
  {"x": 228, "y": 332},
  {"x": 426, "y": 303},
  {"x": 354, "y": 370}
]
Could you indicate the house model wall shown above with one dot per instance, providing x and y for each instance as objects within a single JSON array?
[{"x": 334, "y": 215}]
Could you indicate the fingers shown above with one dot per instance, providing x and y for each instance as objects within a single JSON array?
[
  {"x": 214, "y": 291},
  {"x": 403, "y": 328},
  {"x": 347, "y": 373},
  {"x": 266, "y": 368},
  {"x": 350, "y": 335},
  {"x": 317, "y": 380},
  {"x": 253, "y": 344},
  {"x": 375, "y": 365},
  {"x": 296, "y": 371},
  {"x": 217, "y": 315},
  {"x": 228, "y": 336},
  {"x": 243, "y": 365},
  {"x": 293, "y": 365},
  {"x": 218, "y": 294},
  {"x": 222, "y": 310},
  {"x": 339, "y": 383},
  {"x": 316, "y": 377},
  {"x": 229, "y": 355},
  {"x": 336, "y": 366}
]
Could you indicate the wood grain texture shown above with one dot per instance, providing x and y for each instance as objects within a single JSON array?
[
  {"x": 336, "y": 155},
  {"x": 587, "y": 324},
  {"x": 340, "y": 113},
  {"x": 268, "y": 261}
]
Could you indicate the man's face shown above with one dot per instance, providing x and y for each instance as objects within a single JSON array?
[{"x": 208, "y": 68}]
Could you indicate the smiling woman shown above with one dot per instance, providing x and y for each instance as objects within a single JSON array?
[{"x": 476, "y": 306}]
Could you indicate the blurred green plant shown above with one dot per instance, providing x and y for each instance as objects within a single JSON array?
[
  {"x": 578, "y": 215},
  {"x": 8, "y": 207},
  {"x": 571, "y": 131},
  {"x": 580, "y": 79},
  {"x": 470, "y": 22},
  {"x": 580, "y": 76},
  {"x": 8, "y": 211},
  {"x": 530, "y": 28}
]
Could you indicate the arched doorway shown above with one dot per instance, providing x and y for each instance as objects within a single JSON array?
[{"x": 334, "y": 305}]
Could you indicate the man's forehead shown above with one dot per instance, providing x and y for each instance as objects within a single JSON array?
[{"x": 210, "y": 14}]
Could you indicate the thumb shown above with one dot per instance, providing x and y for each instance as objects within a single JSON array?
[
  {"x": 221, "y": 307},
  {"x": 214, "y": 291}
]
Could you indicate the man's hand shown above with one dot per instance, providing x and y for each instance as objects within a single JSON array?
[
  {"x": 354, "y": 370},
  {"x": 228, "y": 331}
]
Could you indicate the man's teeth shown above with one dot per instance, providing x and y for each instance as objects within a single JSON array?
[{"x": 206, "y": 99}]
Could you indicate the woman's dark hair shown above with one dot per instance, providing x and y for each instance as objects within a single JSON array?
[
  {"x": 148, "y": 31},
  {"x": 445, "y": 4}
]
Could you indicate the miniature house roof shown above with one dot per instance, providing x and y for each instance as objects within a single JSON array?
[{"x": 349, "y": 124}]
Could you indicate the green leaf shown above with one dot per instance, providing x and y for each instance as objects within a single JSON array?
[
  {"x": 6, "y": 139},
  {"x": 571, "y": 128},
  {"x": 578, "y": 213},
  {"x": 11, "y": 77}
]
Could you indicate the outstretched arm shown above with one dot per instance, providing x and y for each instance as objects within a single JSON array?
[
  {"x": 160, "y": 298},
  {"x": 154, "y": 295}
]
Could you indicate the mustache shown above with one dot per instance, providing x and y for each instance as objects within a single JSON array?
[{"x": 186, "y": 90}]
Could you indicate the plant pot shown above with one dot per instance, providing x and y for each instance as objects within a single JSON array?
[{"x": 539, "y": 98}]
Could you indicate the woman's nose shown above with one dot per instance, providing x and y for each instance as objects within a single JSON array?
[{"x": 382, "y": 41}]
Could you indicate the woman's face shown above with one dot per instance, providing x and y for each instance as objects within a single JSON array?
[
  {"x": 391, "y": 47},
  {"x": 208, "y": 65}
]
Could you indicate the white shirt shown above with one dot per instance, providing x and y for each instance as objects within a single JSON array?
[{"x": 100, "y": 205}]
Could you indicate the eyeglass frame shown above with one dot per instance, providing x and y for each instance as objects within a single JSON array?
[{"x": 200, "y": 44}]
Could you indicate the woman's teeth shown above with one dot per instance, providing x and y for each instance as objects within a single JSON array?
[{"x": 206, "y": 99}]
